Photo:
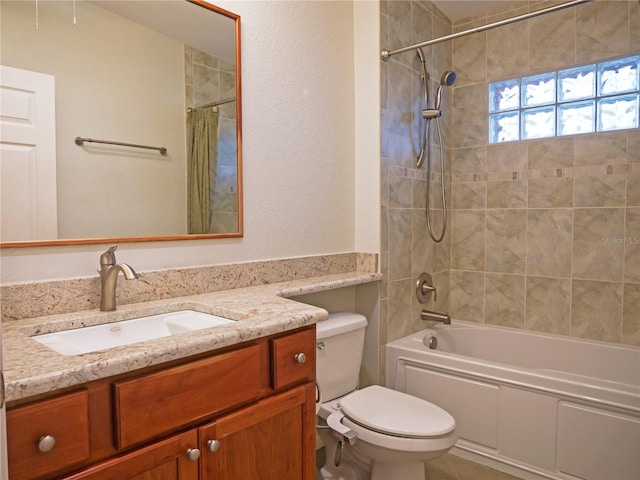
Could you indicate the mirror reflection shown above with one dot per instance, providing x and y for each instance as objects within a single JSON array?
[{"x": 133, "y": 74}]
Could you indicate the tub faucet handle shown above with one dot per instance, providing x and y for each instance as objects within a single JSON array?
[{"x": 425, "y": 287}]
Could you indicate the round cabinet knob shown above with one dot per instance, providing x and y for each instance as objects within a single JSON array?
[
  {"x": 300, "y": 357},
  {"x": 213, "y": 445},
  {"x": 193, "y": 454},
  {"x": 46, "y": 443}
]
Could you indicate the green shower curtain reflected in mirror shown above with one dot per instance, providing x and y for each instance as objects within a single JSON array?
[{"x": 202, "y": 157}]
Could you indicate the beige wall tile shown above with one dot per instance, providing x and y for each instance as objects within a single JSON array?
[
  {"x": 507, "y": 53},
  {"x": 505, "y": 299},
  {"x": 400, "y": 150},
  {"x": 600, "y": 149},
  {"x": 597, "y": 253},
  {"x": 419, "y": 192},
  {"x": 548, "y": 305},
  {"x": 633, "y": 145},
  {"x": 467, "y": 296},
  {"x": 468, "y": 196},
  {"x": 422, "y": 251},
  {"x": 470, "y": 120},
  {"x": 421, "y": 23},
  {"x": 506, "y": 157},
  {"x": 505, "y": 237},
  {"x": 400, "y": 192},
  {"x": 467, "y": 239},
  {"x": 632, "y": 245},
  {"x": 633, "y": 189},
  {"x": 601, "y": 191},
  {"x": 400, "y": 31},
  {"x": 507, "y": 194},
  {"x": 399, "y": 102},
  {"x": 634, "y": 27},
  {"x": 442, "y": 250},
  {"x": 631, "y": 314},
  {"x": 596, "y": 310},
  {"x": 550, "y": 192},
  {"x": 551, "y": 153},
  {"x": 442, "y": 52},
  {"x": 601, "y": 30},
  {"x": 469, "y": 59},
  {"x": 549, "y": 242},
  {"x": 399, "y": 243},
  {"x": 399, "y": 315},
  {"x": 468, "y": 161},
  {"x": 442, "y": 281},
  {"x": 552, "y": 41}
]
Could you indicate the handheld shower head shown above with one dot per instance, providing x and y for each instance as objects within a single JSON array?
[{"x": 448, "y": 79}]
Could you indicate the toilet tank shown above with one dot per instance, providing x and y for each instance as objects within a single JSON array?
[{"x": 338, "y": 361}]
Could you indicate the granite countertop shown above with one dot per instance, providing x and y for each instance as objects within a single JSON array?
[{"x": 32, "y": 369}]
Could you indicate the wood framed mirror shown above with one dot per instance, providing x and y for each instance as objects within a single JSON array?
[{"x": 132, "y": 74}]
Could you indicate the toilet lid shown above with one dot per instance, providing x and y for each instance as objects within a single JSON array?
[{"x": 396, "y": 413}]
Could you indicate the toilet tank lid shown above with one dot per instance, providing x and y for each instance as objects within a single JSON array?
[{"x": 339, "y": 323}]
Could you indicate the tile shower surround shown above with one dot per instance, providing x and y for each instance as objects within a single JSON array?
[{"x": 544, "y": 234}]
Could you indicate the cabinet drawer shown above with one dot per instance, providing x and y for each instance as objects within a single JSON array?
[
  {"x": 65, "y": 418},
  {"x": 160, "y": 402},
  {"x": 293, "y": 358}
]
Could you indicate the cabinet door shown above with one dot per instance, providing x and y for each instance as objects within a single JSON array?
[
  {"x": 49, "y": 436},
  {"x": 273, "y": 439},
  {"x": 167, "y": 460}
]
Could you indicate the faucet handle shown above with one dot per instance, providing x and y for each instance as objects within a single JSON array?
[
  {"x": 425, "y": 287},
  {"x": 109, "y": 257}
]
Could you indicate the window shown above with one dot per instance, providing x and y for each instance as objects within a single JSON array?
[{"x": 598, "y": 97}]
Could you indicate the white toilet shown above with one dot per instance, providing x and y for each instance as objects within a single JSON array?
[{"x": 389, "y": 433}]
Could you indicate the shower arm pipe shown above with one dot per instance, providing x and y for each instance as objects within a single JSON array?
[{"x": 385, "y": 54}]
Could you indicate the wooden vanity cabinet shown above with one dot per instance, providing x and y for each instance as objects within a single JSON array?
[{"x": 245, "y": 413}]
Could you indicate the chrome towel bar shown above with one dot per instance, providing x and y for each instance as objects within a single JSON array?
[{"x": 81, "y": 140}]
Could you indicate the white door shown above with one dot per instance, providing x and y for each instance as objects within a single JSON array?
[{"x": 28, "y": 206}]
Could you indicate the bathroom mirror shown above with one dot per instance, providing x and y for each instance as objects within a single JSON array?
[{"x": 134, "y": 73}]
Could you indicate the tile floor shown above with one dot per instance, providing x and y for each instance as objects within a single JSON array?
[{"x": 450, "y": 467}]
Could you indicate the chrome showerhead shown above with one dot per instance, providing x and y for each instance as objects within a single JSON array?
[{"x": 448, "y": 79}]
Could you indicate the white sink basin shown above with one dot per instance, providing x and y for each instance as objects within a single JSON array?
[{"x": 109, "y": 335}]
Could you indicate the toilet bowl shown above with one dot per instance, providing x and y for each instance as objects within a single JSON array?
[
  {"x": 398, "y": 432},
  {"x": 382, "y": 434}
]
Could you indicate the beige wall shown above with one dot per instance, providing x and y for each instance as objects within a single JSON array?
[
  {"x": 298, "y": 151},
  {"x": 539, "y": 227}
]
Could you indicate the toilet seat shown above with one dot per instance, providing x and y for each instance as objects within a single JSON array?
[{"x": 393, "y": 413}]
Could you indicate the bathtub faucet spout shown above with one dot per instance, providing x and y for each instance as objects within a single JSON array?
[{"x": 430, "y": 316}]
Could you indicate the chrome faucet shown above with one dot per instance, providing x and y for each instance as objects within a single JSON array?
[
  {"x": 109, "y": 271},
  {"x": 430, "y": 316}
]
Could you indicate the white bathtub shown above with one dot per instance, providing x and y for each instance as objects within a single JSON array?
[{"x": 530, "y": 404}]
